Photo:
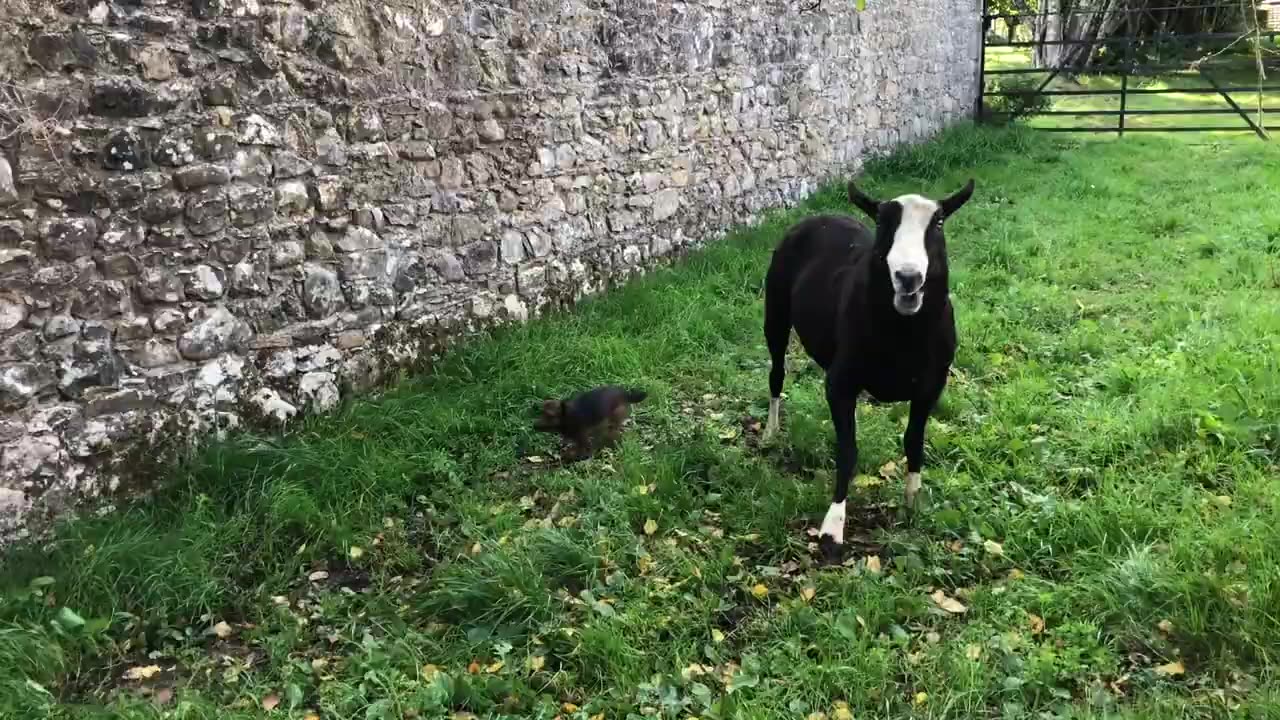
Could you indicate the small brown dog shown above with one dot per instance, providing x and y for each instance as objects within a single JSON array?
[{"x": 583, "y": 417}]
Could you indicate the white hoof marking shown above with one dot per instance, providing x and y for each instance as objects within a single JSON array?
[
  {"x": 833, "y": 523},
  {"x": 771, "y": 426},
  {"x": 913, "y": 488}
]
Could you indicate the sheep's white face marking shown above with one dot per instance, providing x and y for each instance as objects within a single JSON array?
[
  {"x": 908, "y": 258},
  {"x": 833, "y": 523}
]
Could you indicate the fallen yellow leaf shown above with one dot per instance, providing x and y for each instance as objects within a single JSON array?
[
  {"x": 993, "y": 547},
  {"x": 537, "y": 662},
  {"x": 817, "y": 716},
  {"x": 888, "y": 469},
  {"x": 222, "y": 630},
  {"x": 1037, "y": 623},
  {"x": 951, "y": 605},
  {"x": 142, "y": 672},
  {"x": 873, "y": 564},
  {"x": 973, "y": 652},
  {"x": 717, "y": 636},
  {"x": 1166, "y": 626},
  {"x": 1016, "y": 574},
  {"x": 922, "y": 698},
  {"x": 270, "y": 702},
  {"x": 1171, "y": 669},
  {"x": 311, "y": 716},
  {"x": 808, "y": 593},
  {"x": 495, "y": 667},
  {"x": 598, "y": 716},
  {"x": 760, "y": 591},
  {"x": 650, "y": 526},
  {"x": 569, "y": 707},
  {"x": 429, "y": 671},
  {"x": 475, "y": 549},
  {"x": 356, "y": 552},
  {"x": 1223, "y": 500},
  {"x": 842, "y": 711}
]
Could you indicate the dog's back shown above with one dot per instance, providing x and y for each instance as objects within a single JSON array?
[{"x": 594, "y": 406}]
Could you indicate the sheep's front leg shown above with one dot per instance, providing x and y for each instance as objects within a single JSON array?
[
  {"x": 913, "y": 439},
  {"x": 842, "y": 401}
]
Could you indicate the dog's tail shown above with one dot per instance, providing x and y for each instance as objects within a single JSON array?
[{"x": 635, "y": 395}]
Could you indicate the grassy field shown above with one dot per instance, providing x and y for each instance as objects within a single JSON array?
[
  {"x": 1228, "y": 70},
  {"x": 1098, "y": 536}
]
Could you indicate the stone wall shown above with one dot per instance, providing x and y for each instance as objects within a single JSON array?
[{"x": 217, "y": 209}]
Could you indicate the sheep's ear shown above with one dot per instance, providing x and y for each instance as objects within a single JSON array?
[
  {"x": 866, "y": 204},
  {"x": 957, "y": 201}
]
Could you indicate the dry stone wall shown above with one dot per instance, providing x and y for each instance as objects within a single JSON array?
[{"x": 215, "y": 209}]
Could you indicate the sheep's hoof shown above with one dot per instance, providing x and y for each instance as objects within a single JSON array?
[{"x": 832, "y": 551}]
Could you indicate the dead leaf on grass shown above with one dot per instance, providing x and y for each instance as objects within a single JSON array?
[
  {"x": 842, "y": 711},
  {"x": 973, "y": 652},
  {"x": 760, "y": 591},
  {"x": 356, "y": 552},
  {"x": 1172, "y": 669},
  {"x": 808, "y": 593},
  {"x": 1037, "y": 623},
  {"x": 142, "y": 672},
  {"x": 222, "y": 630},
  {"x": 949, "y": 604},
  {"x": 650, "y": 526},
  {"x": 888, "y": 469},
  {"x": 318, "y": 575},
  {"x": 993, "y": 547},
  {"x": 1165, "y": 626},
  {"x": 873, "y": 564},
  {"x": 717, "y": 637},
  {"x": 270, "y": 702}
]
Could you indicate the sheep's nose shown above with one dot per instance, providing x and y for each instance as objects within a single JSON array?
[{"x": 908, "y": 280}]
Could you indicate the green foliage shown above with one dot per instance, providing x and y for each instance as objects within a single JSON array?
[
  {"x": 1100, "y": 502},
  {"x": 1022, "y": 102}
]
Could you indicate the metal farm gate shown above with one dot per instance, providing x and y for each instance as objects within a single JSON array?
[{"x": 1196, "y": 74}]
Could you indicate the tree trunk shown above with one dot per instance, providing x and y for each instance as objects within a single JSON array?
[{"x": 1085, "y": 23}]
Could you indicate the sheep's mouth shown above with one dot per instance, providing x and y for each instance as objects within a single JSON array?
[{"x": 908, "y": 303}]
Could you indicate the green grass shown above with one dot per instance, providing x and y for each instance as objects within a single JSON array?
[{"x": 1101, "y": 497}]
